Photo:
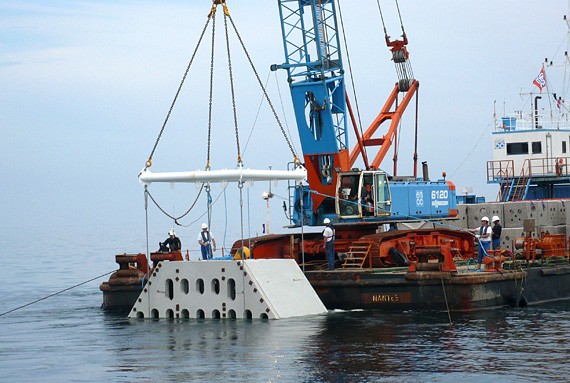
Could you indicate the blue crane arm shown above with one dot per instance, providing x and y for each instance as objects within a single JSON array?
[{"x": 315, "y": 73}]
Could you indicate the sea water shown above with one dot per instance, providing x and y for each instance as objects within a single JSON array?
[{"x": 67, "y": 337}]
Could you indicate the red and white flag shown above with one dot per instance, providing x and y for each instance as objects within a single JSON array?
[{"x": 540, "y": 80}]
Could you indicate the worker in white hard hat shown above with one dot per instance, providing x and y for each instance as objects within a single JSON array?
[
  {"x": 328, "y": 242},
  {"x": 483, "y": 234},
  {"x": 496, "y": 236},
  {"x": 172, "y": 243},
  {"x": 207, "y": 242}
]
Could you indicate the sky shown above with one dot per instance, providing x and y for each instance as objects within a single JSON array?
[{"x": 86, "y": 86}]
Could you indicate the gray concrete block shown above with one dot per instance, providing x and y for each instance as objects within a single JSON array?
[
  {"x": 472, "y": 213},
  {"x": 540, "y": 211},
  {"x": 462, "y": 215},
  {"x": 553, "y": 229}
]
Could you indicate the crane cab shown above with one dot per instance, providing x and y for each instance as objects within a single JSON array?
[{"x": 363, "y": 194}]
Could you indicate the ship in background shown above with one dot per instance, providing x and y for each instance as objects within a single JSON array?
[{"x": 531, "y": 146}]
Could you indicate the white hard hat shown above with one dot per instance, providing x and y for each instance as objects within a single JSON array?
[
  {"x": 326, "y": 221},
  {"x": 485, "y": 219},
  {"x": 495, "y": 218},
  {"x": 204, "y": 226},
  {"x": 171, "y": 232}
]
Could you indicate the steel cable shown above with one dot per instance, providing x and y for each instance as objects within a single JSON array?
[
  {"x": 149, "y": 161},
  {"x": 264, "y": 91},
  {"x": 175, "y": 219}
]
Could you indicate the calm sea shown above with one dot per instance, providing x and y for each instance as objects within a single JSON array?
[{"x": 68, "y": 338}]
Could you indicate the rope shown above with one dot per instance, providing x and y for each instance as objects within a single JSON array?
[
  {"x": 170, "y": 216},
  {"x": 57, "y": 293},
  {"x": 282, "y": 105},
  {"x": 264, "y": 91},
  {"x": 487, "y": 129},
  {"x": 209, "y": 206},
  {"x": 445, "y": 296},
  {"x": 149, "y": 161},
  {"x": 203, "y": 214},
  {"x": 256, "y": 117}
]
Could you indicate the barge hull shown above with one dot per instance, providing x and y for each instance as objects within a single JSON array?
[{"x": 440, "y": 290}]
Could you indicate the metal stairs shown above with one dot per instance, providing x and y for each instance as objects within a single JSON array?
[
  {"x": 516, "y": 188},
  {"x": 357, "y": 254}
]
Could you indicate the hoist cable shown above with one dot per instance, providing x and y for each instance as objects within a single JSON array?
[
  {"x": 264, "y": 92},
  {"x": 239, "y": 160},
  {"x": 147, "y": 255},
  {"x": 351, "y": 75},
  {"x": 400, "y": 16},
  {"x": 382, "y": 18},
  {"x": 149, "y": 161}
]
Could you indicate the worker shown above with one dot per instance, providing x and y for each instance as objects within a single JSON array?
[
  {"x": 328, "y": 242},
  {"x": 483, "y": 234},
  {"x": 366, "y": 201},
  {"x": 207, "y": 242},
  {"x": 172, "y": 243},
  {"x": 496, "y": 236}
]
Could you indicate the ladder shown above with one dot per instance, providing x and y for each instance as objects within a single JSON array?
[
  {"x": 519, "y": 186},
  {"x": 357, "y": 254}
]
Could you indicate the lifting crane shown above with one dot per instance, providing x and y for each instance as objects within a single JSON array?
[{"x": 316, "y": 76}]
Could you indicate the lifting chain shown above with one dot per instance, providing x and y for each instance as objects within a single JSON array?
[
  {"x": 295, "y": 158},
  {"x": 239, "y": 160},
  {"x": 149, "y": 161},
  {"x": 213, "y": 16}
]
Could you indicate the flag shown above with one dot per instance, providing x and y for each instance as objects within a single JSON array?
[{"x": 540, "y": 80}]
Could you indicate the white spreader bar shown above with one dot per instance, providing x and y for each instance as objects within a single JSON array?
[{"x": 147, "y": 177}]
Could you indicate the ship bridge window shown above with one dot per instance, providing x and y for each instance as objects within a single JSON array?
[
  {"x": 517, "y": 148},
  {"x": 563, "y": 146},
  {"x": 536, "y": 147}
]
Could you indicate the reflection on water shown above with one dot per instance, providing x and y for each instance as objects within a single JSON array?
[
  {"x": 69, "y": 338},
  {"x": 502, "y": 345}
]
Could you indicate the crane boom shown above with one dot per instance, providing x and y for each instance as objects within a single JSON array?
[{"x": 315, "y": 73}]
